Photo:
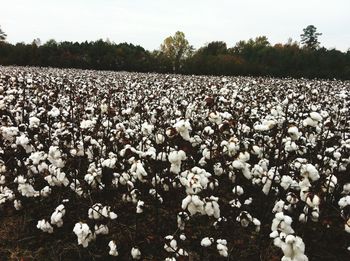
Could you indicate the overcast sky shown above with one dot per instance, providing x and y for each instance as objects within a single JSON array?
[{"x": 148, "y": 22}]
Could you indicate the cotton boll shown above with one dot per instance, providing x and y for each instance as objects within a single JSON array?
[
  {"x": 315, "y": 116},
  {"x": 170, "y": 244},
  {"x": 183, "y": 127},
  {"x": 221, "y": 247},
  {"x": 44, "y": 226},
  {"x": 83, "y": 233},
  {"x": 57, "y": 216},
  {"x": 113, "y": 248},
  {"x": 140, "y": 207},
  {"x": 101, "y": 229},
  {"x": 135, "y": 253},
  {"x": 207, "y": 242}
]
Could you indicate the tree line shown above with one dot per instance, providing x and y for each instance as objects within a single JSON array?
[{"x": 254, "y": 57}]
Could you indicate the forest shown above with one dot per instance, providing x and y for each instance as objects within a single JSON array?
[{"x": 254, "y": 57}]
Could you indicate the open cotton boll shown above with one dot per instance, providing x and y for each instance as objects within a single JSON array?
[
  {"x": 294, "y": 133},
  {"x": 101, "y": 229},
  {"x": 44, "y": 226},
  {"x": 54, "y": 112},
  {"x": 147, "y": 128},
  {"x": 183, "y": 127},
  {"x": 87, "y": 124},
  {"x": 175, "y": 158},
  {"x": 135, "y": 253},
  {"x": 83, "y": 233},
  {"x": 215, "y": 117},
  {"x": 34, "y": 122},
  {"x": 170, "y": 244},
  {"x": 309, "y": 171},
  {"x": 221, "y": 247},
  {"x": 315, "y": 116},
  {"x": 207, "y": 242},
  {"x": 112, "y": 248},
  {"x": 160, "y": 138},
  {"x": 24, "y": 141},
  {"x": 140, "y": 206},
  {"x": 57, "y": 216},
  {"x": 309, "y": 122}
]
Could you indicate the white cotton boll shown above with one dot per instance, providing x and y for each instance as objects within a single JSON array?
[
  {"x": 237, "y": 164},
  {"x": 87, "y": 124},
  {"x": 279, "y": 206},
  {"x": 207, "y": 242},
  {"x": 140, "y": 206},
  {"x": 175, "y": 158},
  {"x": 57, "y": 216},
  {"x": 238, "y": 190},
  {"x": 346, "y": 188},
  {"x": 347, "y": 226},
  {"x": 315, "y": 116},
  {"x": 183, "y": 127},
  {"x": 309, "y": 171},
  {"x": 44, "y": 226},
  {"x": 186, "y": 201},
  {"x": 54, "y": 112},
  {"x": 183, "y": 237},
  {"x": 222, "y": 248},
  {"x": 309, "y": 122},
  {"x": 45, "y": 192},
  {"x": 218, "y": 170},
  {"x": 136, "y": 253},
  {"x": 160, "y": 138},
  {"x": 208, "y": 130},
  {"x": 287, "y": 182},
  {"x": 34, "y": 122},
  {"x": 344, "y": 201},
  {"x": 294, "y": 133},
  {"x": 101, "y": 230},
  {"x": 244, "y": 156},
  {"x": 147, "y": 128},
  {"x": 171, "y": 244},
  {"x": 113, "y": 248},
  {"x": 83, "y": 233},
  {"x": 17, "y": 204},
  {"x": 215, "y": 117},
  {"x": 337, "y": 155}
]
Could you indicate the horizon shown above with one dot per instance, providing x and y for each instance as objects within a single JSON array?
[{"x": 148, "y": 24}]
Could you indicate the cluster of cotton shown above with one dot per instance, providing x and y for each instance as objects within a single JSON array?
[
  {"x": 292, "y": 246},
  {"x": 56, "y": 177},
  {"x": 94, "y": 175},
  {"x": 26, "y": 189},
  {"x": 83, "y": 233},
  {"x": 230, "y": 147},
  {"x": 9, "y": 133},
  {"x": 97, "y": 211},
  {"x": 195, "y": 180},
  {"x": 313, "y": 119},
  {"x": 241, "y": 163}
]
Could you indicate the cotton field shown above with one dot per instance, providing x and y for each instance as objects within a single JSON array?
[{"x": 129, "y": 166}]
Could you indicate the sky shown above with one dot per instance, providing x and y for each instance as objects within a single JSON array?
[{"x": 149, "y": 22}]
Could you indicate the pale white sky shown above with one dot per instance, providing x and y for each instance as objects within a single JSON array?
[{"x": 147, "y": 23}]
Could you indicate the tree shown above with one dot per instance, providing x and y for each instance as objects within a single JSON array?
[
  {"x": 214, "y": 48},
  {"x": 176, "y": 48},
  {"x": 2, "y": 35},
  {"x": 310, "y": 37}
]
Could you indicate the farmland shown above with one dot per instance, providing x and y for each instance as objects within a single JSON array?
[{"x": 134, "y": 166}]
